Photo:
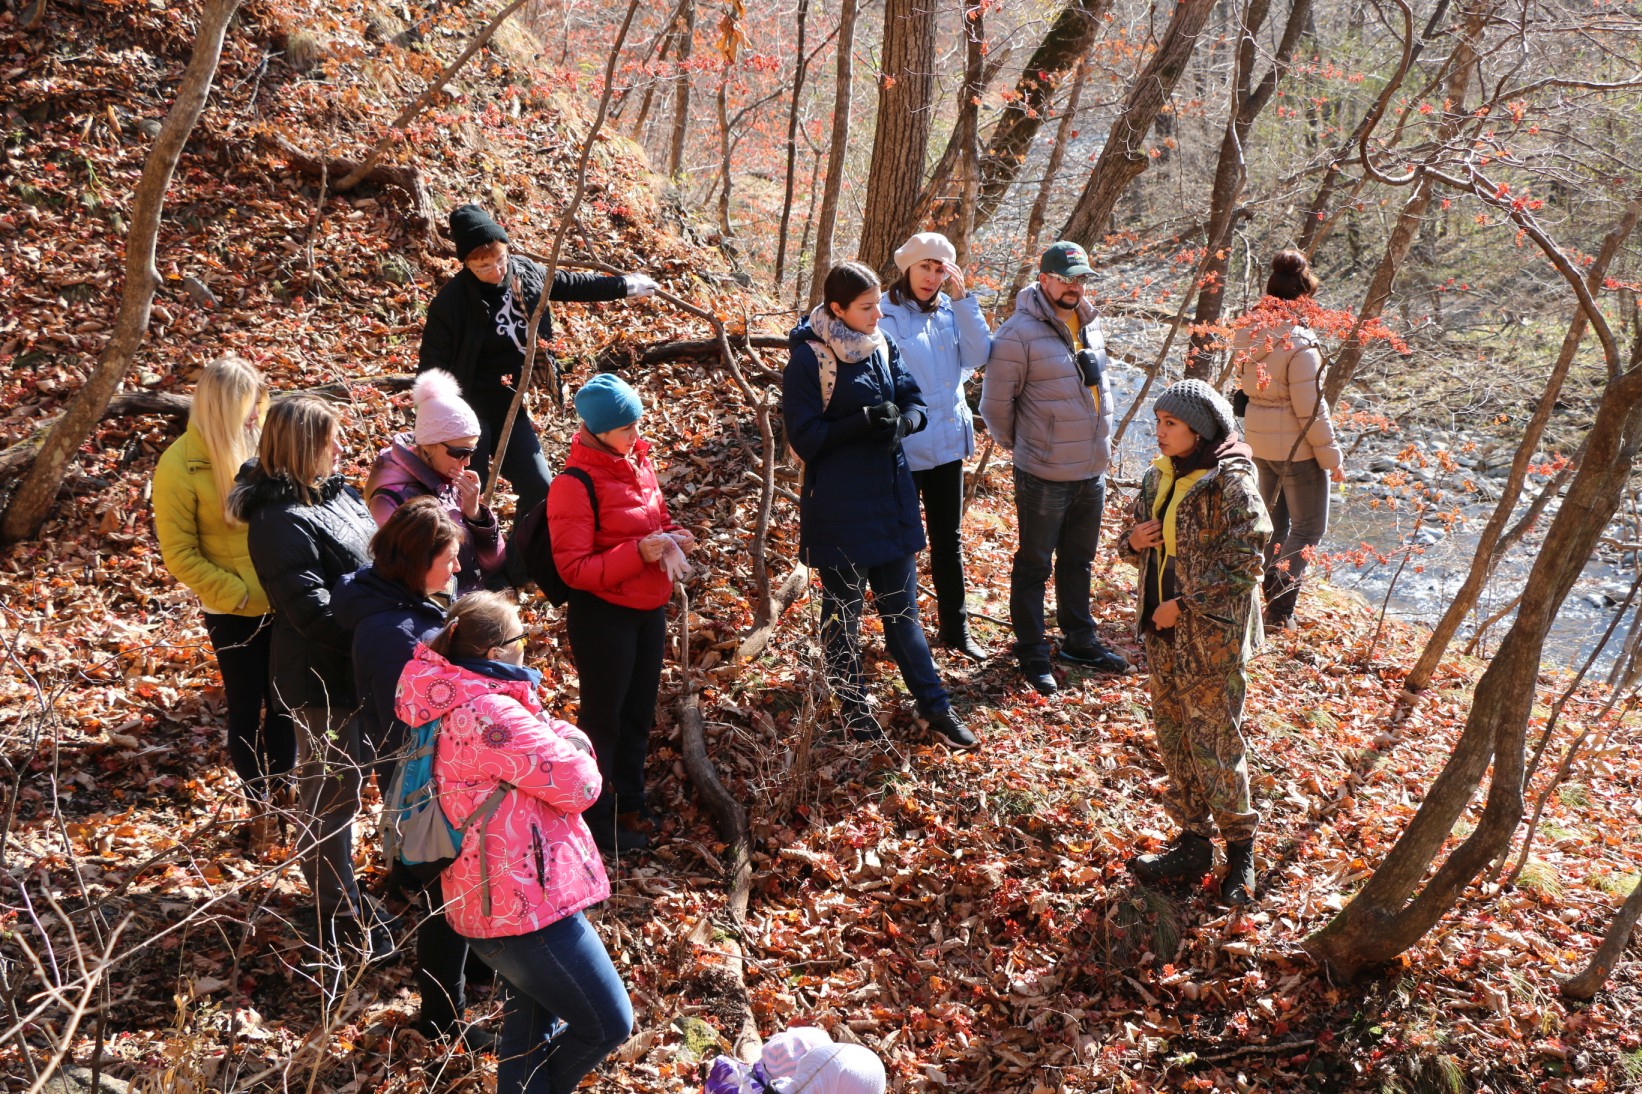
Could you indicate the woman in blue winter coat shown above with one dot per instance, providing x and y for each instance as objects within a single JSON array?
[
  {"x": 943, "y": 339},
  {"x": 393, "y": 604},
  {"x": 848, "y": 402}
]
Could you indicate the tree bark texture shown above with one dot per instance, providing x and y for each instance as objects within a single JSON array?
[
  {"x": 1381, "y": 921},
  {"x": 837, "y": 149},
  {"x": 969, "y": 126},
  {"x": 1066, "y": 43},
  {"x": 1230, "y": 172},
  {"x": 681, "y": 100},
  {"x": 1462, "y": 66},
  {"x": 792, "y": 148},
  {"x": 1590, "y": 981},
  {"x": 33, "y": 500},
  {"x": 901, "y": 137},
  {"x": 1124, "y": 157}
]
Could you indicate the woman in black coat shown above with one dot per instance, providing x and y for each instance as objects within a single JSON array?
[
  {"x": 476, "y": 331},
  {"x": 848, "y": 401},
  {"x": 307, "y": 528}
]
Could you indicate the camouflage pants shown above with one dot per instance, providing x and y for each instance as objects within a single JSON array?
[{"x": 1198, "y": 720}]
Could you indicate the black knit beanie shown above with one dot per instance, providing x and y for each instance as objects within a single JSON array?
[
  {"x": 1201, "y": 407},
  {"x": 472, "y": 228}
]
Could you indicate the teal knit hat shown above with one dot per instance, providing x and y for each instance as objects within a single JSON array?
[{"x": 606, "y": 402}]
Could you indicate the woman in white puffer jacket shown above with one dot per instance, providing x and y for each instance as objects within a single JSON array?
[{"x": 1287, "y": 425}]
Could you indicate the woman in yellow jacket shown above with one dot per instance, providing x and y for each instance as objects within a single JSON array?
[{"x": 206, "y": 550}]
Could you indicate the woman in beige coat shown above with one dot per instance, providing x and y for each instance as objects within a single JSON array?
[{"x": 1287, "y": 425}]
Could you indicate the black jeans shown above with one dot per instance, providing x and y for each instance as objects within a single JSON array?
[
  {"x": 443, "y": 964},
  {"x": 942, "y": 491},
  {"x": 261, "y": 739},
  {"x": 1059, "y": 531},
  {"x": 618, "y": 654}
]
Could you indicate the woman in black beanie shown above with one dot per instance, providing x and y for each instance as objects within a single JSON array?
[{"x": 476, "y": 332}]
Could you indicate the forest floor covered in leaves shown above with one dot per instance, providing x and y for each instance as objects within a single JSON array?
[{"x": 966, "y": 916}]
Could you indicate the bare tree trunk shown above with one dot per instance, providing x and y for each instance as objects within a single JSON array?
[
  {"x": 1051, "y": 172},
  {"x": 32, "y": 502},
  {"x": 1589, "y": 982},
  {"x": 1230, "y": 172},
  {"x": 681, "y": 101},
  {"x": 837, "y": 150},
  {"x": 792, "y": 147},
  {"x": 1066, "y": 43},
  {"x": 1124, "y": 156},
  {"x": 724, "y": 229},
  {"x": 1462, "y": 67},
  {"x": 901, "y": 137},
  {"x": 1482, "y": 564},
  {"x": 969, "y": 125}
]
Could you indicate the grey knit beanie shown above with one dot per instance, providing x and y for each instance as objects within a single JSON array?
[{"x": 1201, "y": 407}]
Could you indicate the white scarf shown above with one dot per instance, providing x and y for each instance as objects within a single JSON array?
[{"x": 847, "y": 343}]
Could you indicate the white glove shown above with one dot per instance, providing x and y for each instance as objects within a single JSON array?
[
  {"x": 639, "y": 286},
  {"x": 673, "y": 561}
]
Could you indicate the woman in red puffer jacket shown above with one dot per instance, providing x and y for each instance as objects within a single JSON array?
[{"x": 619, "y": 551}]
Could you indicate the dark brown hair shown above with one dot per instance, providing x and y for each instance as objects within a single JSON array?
[
  {"x": 419, "y": 531},
  {"x": 845, "y": 282},
  {"x": 1291, "y": 276},
  {"x": 901, "y": 293},
  {"x": 476, "y": 623}
]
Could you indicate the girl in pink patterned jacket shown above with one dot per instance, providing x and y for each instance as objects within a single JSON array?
[{"x": 524, "y": 876}]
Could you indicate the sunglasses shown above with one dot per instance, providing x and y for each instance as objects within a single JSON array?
[
  {"x": 458, "y": 452},
  {"x": 1080, "y": 280},
  {"x": 520, "y": 637}
]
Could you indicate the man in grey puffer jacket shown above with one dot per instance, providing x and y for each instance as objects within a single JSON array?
[{"x": 1046, "y": 399}]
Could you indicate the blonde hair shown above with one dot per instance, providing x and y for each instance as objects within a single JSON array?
[
  {"x": 229, "y": 390},
  {"x": 296, "y": 442},
  {"x": 476, "y": 623}
]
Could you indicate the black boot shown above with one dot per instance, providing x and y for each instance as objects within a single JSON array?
[
  {"x": 959, "y": 641},
  {"x": 1237, "y": 888},
  {"x": 1188, "y": 858}
]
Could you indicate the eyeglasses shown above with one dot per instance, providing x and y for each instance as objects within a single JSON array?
[
  {"x": 498, "y": 262},
  {"x": 520, "y": 637},
  {"x": 1078, "y": 281},
  {"x": 458, "y": 452}
]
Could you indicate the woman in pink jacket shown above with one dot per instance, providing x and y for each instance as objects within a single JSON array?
[{"x": 519, "y": 886}]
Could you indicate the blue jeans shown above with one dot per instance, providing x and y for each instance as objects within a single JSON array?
[
  {"x": 566, "y": 1007},
  {"x": 1059, "y": 531},
  {"x": 895, "y": 590},
  {"x": 1296, "y": 496}
]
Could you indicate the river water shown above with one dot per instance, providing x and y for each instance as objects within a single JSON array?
[{"x": 1427, "y": 583}]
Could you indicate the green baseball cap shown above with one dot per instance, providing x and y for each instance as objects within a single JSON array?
[{"x": 1065, "y": 259}]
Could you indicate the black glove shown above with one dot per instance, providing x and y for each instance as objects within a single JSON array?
[
  {"x": 907, "y": 424},
  {"x": 884, "y": 418}
]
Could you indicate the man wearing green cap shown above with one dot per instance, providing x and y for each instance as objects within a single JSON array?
[{"x": 1046, "y": 399}]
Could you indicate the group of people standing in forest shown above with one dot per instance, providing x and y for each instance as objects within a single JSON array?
[{"x": 341, "y": 619}]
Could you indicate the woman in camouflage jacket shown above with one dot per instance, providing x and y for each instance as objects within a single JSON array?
[{"x": 1199, "y": 536}]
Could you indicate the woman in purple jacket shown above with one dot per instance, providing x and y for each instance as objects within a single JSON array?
[{"x": 434, "y": 461}]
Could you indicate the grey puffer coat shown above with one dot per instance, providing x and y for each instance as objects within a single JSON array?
[{"x": 1034, "y": 399}]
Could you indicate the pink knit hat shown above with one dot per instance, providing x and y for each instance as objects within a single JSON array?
[{"x": 441, "y": 413}]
